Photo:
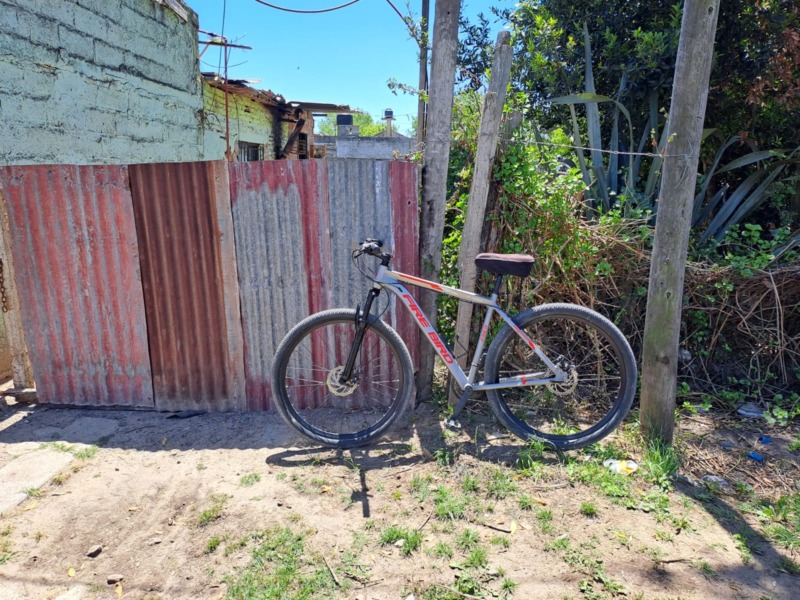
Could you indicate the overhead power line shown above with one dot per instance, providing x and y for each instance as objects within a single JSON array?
[{"x": 307, "y": 12}]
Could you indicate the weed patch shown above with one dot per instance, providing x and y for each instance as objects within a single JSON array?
[
  {"x": 6, "y": 545},
  {"x": 411, "y": 539},
  {"x": 213, "y": 512},
  {"x": 281, "y": 567},
  {"x": 250, "y": 479}
]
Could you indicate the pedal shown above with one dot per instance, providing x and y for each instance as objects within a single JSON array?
[{"x": 452, "y": 423}]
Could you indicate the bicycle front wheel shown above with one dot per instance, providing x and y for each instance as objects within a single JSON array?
[
  {"x": 306, "y": 379},
  {"x": 600, "y": 368}
]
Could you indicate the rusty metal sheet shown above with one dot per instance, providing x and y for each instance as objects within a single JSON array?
[
  {"x": 404, "y": 202},
  {"x": 296, "y": 225},
  {"x": 276, "y": 205},
  {"x": 185, "y": 234},
  {"x": 77, "y": 272}
]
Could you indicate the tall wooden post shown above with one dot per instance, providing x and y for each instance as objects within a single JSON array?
[
  {"x": 481, "y": 179},
  {"x": 434, "y": 167},
  {"x": 685, "y": 128},
  {"x": 423, "y": 73}
]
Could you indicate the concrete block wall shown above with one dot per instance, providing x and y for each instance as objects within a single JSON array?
[{"x": 98, "y": 81}]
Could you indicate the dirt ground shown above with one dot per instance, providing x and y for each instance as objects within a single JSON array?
[{"x": 173, "y": 508}]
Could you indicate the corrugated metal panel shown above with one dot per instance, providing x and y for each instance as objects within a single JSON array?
[
  {"x": 77, "y": 272},
  {"x": 296, "y": 225},
  {"x": 404, "y": 201},
  {"x": 276, "y": 204},
  {"x": 359, "y": 209},
  {"x": 190, "y": 286}
]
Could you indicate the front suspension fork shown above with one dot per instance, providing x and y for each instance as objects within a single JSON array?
[{"x": 362, "y": 321}]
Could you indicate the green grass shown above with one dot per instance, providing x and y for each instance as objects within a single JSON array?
[
  {"x": 661, "y": 463},
  {"x": 213, "y": 512},
  {"x": 82, "y": 453},
  {"x": 788, "y": 565},
  {"x": 420, "y": 487},
  {"x": 444, "y": 457},
  {"x": 281, "y": 567},
  {"x": 213, "y": 544},
  {"x": 86, "y": 453},
  {"x": 663, "y": 536},
  {"x": 467, "y": 540},
  {"x": 6, "y": 545},
  {"x": 558, "y": 544},
  {"x": 449, "y": 505},
  {"x": 500, "y": 485},
  {"x": 412, "y": 539},
  {"x": 588, "y": 509},
  {"x": 705, "y": 568},
  {"x": 530, "y": 455},
  {"x": 740, "y": 540},
  {"x": 250, "y": 479},
  {"x": 470, "y": 484},
  {"x": 442, "y": 550},
  {"x": 33, "y": 493},
  {"x": 545, "y": 518},
  {"x": 60, "y": 446},
  {"x": 525, "y": 502},
  {"x": 613, "y": 485},
  {"x": 477, "y": 559},
  {"x": 783, "y": 536},
  {"x": 500, "y": 540}
]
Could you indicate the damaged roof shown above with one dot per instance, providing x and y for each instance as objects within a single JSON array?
[{"x": 240, "y": 87}]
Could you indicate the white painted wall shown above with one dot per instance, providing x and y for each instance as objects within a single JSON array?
[
  {"x": 373, "y": 147},
  {"x": 98, "y": 81}
]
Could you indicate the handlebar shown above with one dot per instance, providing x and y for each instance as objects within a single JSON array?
[{"x": 372, "y": 247}]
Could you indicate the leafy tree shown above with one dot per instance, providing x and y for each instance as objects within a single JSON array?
[
  {"x": 367, "y": 127},
  {"x": 754, "y": 90}
]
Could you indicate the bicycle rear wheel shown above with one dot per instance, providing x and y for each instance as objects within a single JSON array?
[
  {"x": 306, "y": 386},
  {"x": 601, "y": 373}
]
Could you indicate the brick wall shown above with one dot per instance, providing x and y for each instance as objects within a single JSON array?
[{"x": 98, "y": 81}]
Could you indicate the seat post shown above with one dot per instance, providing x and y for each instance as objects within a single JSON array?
[{"x": 497, "y": 285}]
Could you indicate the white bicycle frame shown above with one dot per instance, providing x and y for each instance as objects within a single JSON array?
[{"x": 391, "y": 280}]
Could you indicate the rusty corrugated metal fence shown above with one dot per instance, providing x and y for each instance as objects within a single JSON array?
[
  {"x": 77, "y": 272},
  {"x": 184, "y": 229},
  {"x": 296, "y": 225},
  {"x": 134, "y": 292}
]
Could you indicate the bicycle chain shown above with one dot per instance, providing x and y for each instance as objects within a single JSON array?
[{"x": 3, "y": 298}]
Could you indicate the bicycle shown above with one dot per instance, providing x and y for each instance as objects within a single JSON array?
[{"x": 559, "y": 373}]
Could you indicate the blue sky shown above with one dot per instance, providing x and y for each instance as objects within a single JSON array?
[{"x": 341, "y": 57}]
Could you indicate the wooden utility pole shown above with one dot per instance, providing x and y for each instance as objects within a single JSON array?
[
  {"x": 434, "y": 167},
  {"x": 481, "y": 179},
  {"x": 685, "y": 128},
  {"x": 423, "y": 72}
]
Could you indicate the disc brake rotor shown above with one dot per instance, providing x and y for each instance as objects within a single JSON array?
[
  {"x": 566, "y": 387},
  {"x": 338, "y": 388}
]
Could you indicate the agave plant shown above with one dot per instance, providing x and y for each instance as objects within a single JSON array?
[{"x": 729, "y": 209}]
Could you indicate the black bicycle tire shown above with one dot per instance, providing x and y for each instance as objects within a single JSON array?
[
  {"x": 348, "y": 440},
  {"x": 612, "y": 419}
]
